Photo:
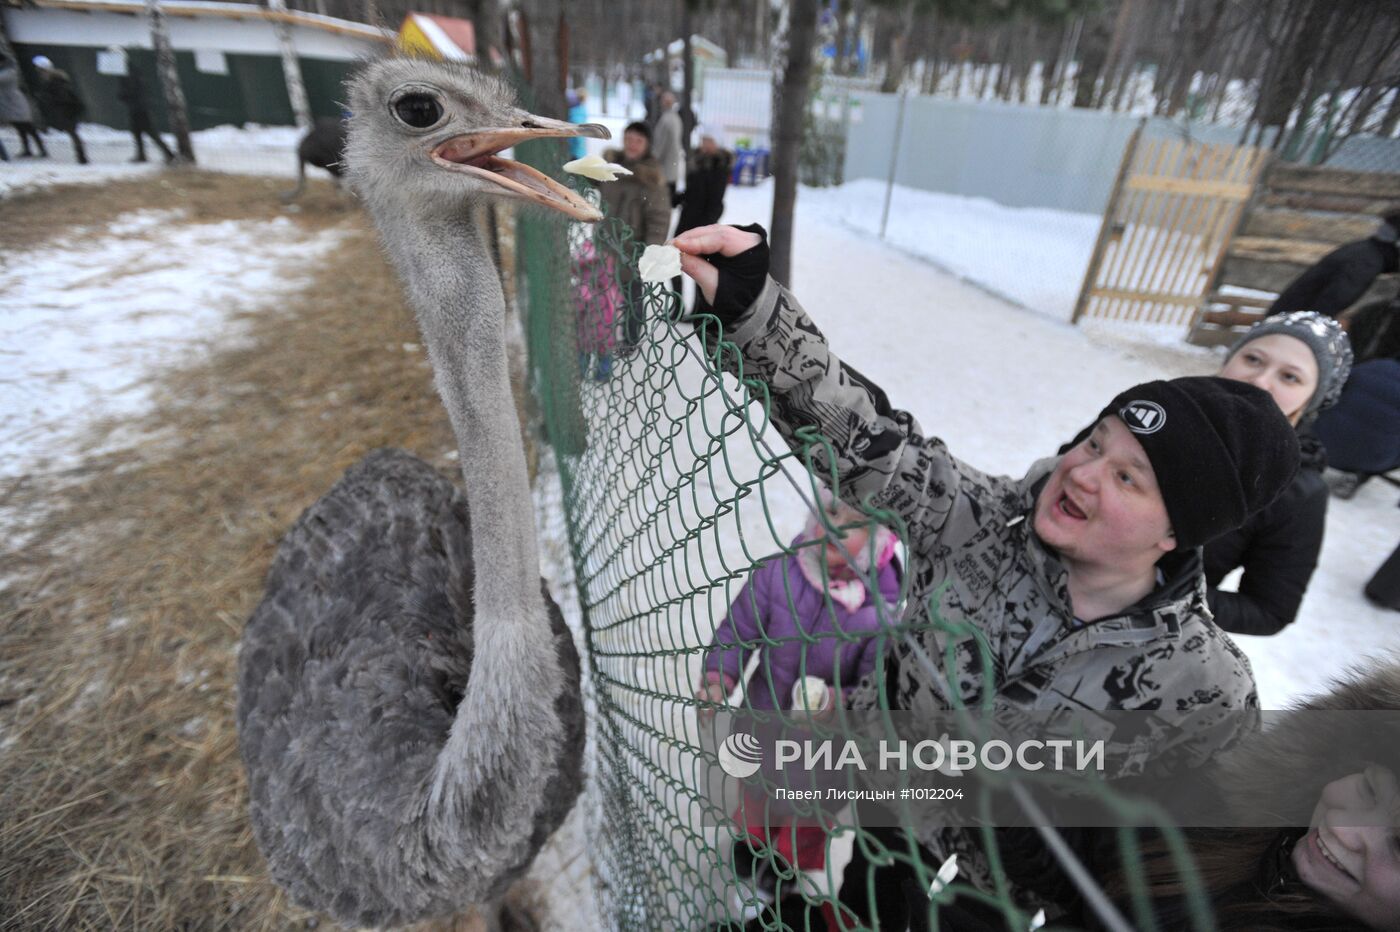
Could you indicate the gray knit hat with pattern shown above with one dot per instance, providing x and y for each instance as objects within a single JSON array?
[{"x": 1329, "y": 345}]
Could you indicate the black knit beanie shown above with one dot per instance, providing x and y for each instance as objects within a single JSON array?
[{"x": 1221, "y": 450}]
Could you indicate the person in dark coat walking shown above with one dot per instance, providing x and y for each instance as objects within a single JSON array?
[
  {"x": 702, "y": 202},
  {"x": 60, "y": 103},
  {"x": 1303, "y": 360},
  {"x": 1341, "y": 277},
  {"x": 132, "y": 92},
  {"x": 15, "y": 109}
]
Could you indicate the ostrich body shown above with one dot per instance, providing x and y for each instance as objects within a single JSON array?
[
  {"x": 409, "y": 704},
  {"x": 323, "y": 146}
]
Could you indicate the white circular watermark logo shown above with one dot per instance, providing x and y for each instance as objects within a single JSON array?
[
  {"x": 1143, "y": 417},
  {"x": 740, "y": 755}
]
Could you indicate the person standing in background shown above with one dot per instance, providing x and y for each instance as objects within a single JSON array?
[
  {"x": 59, "y": 102},
  {"x": 641, "y": 201},
  {"x": 1302, "y": 360},
  {"x": 702, "y": 202},
  {"x": 666, "y": 142},
  {"x": 132, "y": 92},
  {"x": 578, "y": 113},
  {"x": 15, "y": 108}
]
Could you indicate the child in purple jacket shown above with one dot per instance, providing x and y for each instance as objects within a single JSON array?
[
  {"x": 784, "y": 601},
  {"x": 803, "y": 619}
]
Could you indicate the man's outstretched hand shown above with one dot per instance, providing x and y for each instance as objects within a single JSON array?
[{"x": 718, "y": 238}]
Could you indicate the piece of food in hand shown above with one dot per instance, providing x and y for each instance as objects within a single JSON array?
[
  {"x": 810, "y": 694},
  {"x": 596, "y": 167},
  {"x": 660, "y": 263}
]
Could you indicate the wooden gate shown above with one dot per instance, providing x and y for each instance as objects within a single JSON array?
[{"x": 1174, "y": 207}]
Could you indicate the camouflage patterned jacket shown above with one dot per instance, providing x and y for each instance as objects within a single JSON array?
[{"x": 973, "y": 532}]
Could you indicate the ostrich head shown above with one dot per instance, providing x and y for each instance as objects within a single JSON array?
[{"x": 425, "y": 136}]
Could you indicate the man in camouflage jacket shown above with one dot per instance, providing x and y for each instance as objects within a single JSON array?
[{"x": 1084, "y": 575}]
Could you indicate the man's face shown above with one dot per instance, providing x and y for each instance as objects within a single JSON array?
[
  {"x": 668, "y": 100},
  {"x": 1101, "y": 505}
]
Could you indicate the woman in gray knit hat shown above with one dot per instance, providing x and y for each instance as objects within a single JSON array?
[{"x": 1302, "y": 359}]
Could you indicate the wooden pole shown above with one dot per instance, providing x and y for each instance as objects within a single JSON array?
[{"x": 1106, "y": 227}]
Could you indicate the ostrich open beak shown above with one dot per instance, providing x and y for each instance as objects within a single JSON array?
[{"x": 475, "y": 153}]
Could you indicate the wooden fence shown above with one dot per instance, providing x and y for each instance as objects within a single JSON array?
[
  {"x": 1174, "y": 208},
  {"x": 1297, "y": 216}
]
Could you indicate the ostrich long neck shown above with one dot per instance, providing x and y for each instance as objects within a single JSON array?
[{"x": 515, "y": 676}]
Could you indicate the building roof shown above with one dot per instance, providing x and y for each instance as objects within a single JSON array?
[
  {"x": 446, "y": 37},
  {"x": 212, "y": 9},
  {"x": 700, "y": 47}
]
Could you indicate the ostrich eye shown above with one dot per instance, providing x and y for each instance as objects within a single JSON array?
[{"x": 419, "y": 111}]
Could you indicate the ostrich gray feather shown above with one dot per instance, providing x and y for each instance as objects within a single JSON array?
[
  {"x": 350, "y": 674},
  {"x": 409, "y": 711}
]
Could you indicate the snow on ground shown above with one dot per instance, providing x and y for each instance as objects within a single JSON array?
[
  {"x": 1033, "y": 256},
  {"x": 259, "y": 150},
  {"x": 84, "y": 322}
]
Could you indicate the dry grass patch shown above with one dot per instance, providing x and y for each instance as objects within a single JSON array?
[
  {"x": 122, "y": 802},
  {"x": 36, "y": 217}
]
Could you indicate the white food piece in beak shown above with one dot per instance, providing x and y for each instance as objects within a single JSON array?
[
  {"x": 660, "y": 263},
  {"x": 596, "y": 167}
]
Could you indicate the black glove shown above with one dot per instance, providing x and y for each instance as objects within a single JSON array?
[{"x": 741, "y": 277}]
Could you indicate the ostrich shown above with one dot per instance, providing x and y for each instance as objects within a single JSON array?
[
  {"x": 408, "y": 696},
  {"x": 324, "y": 147}
]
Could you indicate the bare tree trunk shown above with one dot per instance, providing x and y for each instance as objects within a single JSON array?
[
  {"x": 1071, "y": 47},
  {"x": 1052, "y": 65},
  {"x": 1091, "y": 65},
  {"x": 486, "y": 21},
  {"x": 992, "y": 56},
  {"x": 1287, "y": 68},
  {"x": 899, "y": 47},
  {"x": 688, "y": 76},
  {"x": 793, "y": 73},
  {"x": 1122, "y": 23},
  {"x": 1392, "y": 114},
  {"x": 291, "y": 67},
  {"x": 541, "y": 30},
  {"x": 1126, "y": 72},
  {"x": 843, "y": 35},
  {"x": 170, "y": 83},
  {"x": 1006, "y": 46},
  {"x": 1025, "y": 58}
]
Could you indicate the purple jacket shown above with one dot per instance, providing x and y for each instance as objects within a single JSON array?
[{"x": 779, "y": 604}]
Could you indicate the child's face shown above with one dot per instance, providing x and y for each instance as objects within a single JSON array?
[{"x": 852, "y": 539}]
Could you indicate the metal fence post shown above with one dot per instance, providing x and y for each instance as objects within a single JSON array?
[{"x": 894, "y": 161}]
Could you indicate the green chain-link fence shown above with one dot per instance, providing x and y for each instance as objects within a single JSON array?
[{"x": 675, "y": 491}]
